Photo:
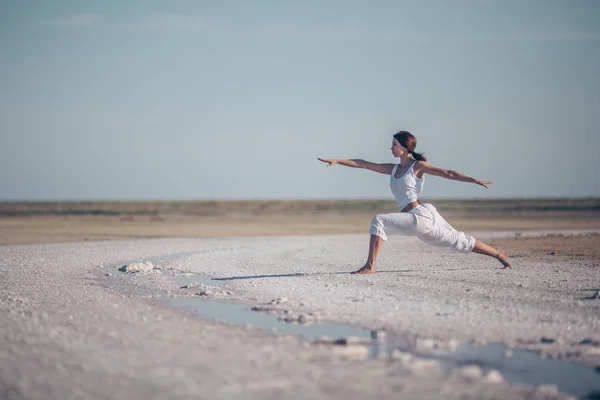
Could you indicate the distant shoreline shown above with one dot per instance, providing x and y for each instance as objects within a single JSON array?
[{"x": 290, "y": 207}]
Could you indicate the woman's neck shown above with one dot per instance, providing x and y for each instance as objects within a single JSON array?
[{"x": 405, "y": 160}]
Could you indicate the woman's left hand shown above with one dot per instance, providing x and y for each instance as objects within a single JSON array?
[{"x": 330, "y": 163}]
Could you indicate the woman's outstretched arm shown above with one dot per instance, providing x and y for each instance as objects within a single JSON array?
[
  {"x": 358, "y": 163},
  {"x": 426, "y": 168}
]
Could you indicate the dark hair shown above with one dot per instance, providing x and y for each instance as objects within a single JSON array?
[{"x": 409, "y": 142}]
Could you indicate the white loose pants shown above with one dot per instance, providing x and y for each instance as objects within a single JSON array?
[{"x": 425, "y": 223}]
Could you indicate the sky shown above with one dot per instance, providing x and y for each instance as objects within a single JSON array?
[{"x": 198, "y": 100}]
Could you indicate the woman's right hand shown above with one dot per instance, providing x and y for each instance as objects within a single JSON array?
[
  {"x": 330, "y": 163},
  {"x": 485, "y": 184}
]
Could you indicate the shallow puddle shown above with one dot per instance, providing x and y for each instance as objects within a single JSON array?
[
  {"x": 522, "y": 367},
  {"x": 242, "y": 315},
  {"x": 528, "y": 368}
]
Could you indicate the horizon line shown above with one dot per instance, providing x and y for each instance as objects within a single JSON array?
[{"x": 328, "y": 199}]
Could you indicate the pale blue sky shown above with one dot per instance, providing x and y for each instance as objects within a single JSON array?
[{"x": 236, "y": 99}]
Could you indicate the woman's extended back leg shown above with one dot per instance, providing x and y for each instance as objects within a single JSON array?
[{"x": 486, "y": 249}]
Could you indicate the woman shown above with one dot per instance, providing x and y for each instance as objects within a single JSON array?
[{"x": 415, "y": 218}]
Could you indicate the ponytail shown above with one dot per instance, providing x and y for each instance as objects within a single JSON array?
[{"x": 418, "y": 156}]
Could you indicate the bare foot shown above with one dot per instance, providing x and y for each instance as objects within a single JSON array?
[
  {"x": 503, "y": 258},
  {"x": 365, "y": 270}
]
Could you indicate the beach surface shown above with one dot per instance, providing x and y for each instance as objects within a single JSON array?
[{"x": 75, "y": 326}]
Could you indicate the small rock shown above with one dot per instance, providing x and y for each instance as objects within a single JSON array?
[
  {"x": 205, "y": 293},
  {"x": 190, "y": 286},
  {"x": 280, "y": 300},
  {"x": 324, "y": 339},
  {"x": 262, "y": 309},
  {"x": 508, "y": 354},
  {"x": 350, "y": 341},
  {"x": 421, "y": 365},
  {"x": 569, "y": 354},
  {"x": 547, "y": 389},
  {"x": 402, "y": 356},
  {"x": 471, "y": 372},
  {"x": 425, "y": 344},
  {"x": 352, "y": 352},
  {"x": 593, "y": 350},
  {"x": 299, "y": 318},
  {"x": 137, "y": 267},
  {"x": 590, "y": 341},
  {"x": 451, "y": 345},
  {"x": 108, "y": 274},
  {"x": 493, "y": 376},
  {"x": 544, "y": 339}
]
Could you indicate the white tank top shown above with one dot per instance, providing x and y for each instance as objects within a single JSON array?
[{"x": 407, "y": 188}]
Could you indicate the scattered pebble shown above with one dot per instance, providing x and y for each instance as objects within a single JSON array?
[
  {"x": 425, "y": 344},
  {"x": 190, "y": 286},
  {"x": 593, "y": 350},
  {"x": 471, "y": 372},
  {"x": 351, "y": 352},
  {"x": 451, "y": 345},
  {"x": 421, "y": 365},
  {"x": 402, "y": 356},
  {"x": 261, "y": 308},
  {"x": 300, "y": 318},
  {"x": 493, "y": 376},
  {"x": 351, "y": 341},
  {"x": 324, "y": 339},
  {"x": 547, "y": 389}
]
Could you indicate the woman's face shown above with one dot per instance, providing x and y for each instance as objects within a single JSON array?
[{"x": 397, "y": 148}]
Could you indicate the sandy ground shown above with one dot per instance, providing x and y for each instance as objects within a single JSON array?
[
  {"x": 71, "y": 332},
  {"x": 73, "y": 326}
]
